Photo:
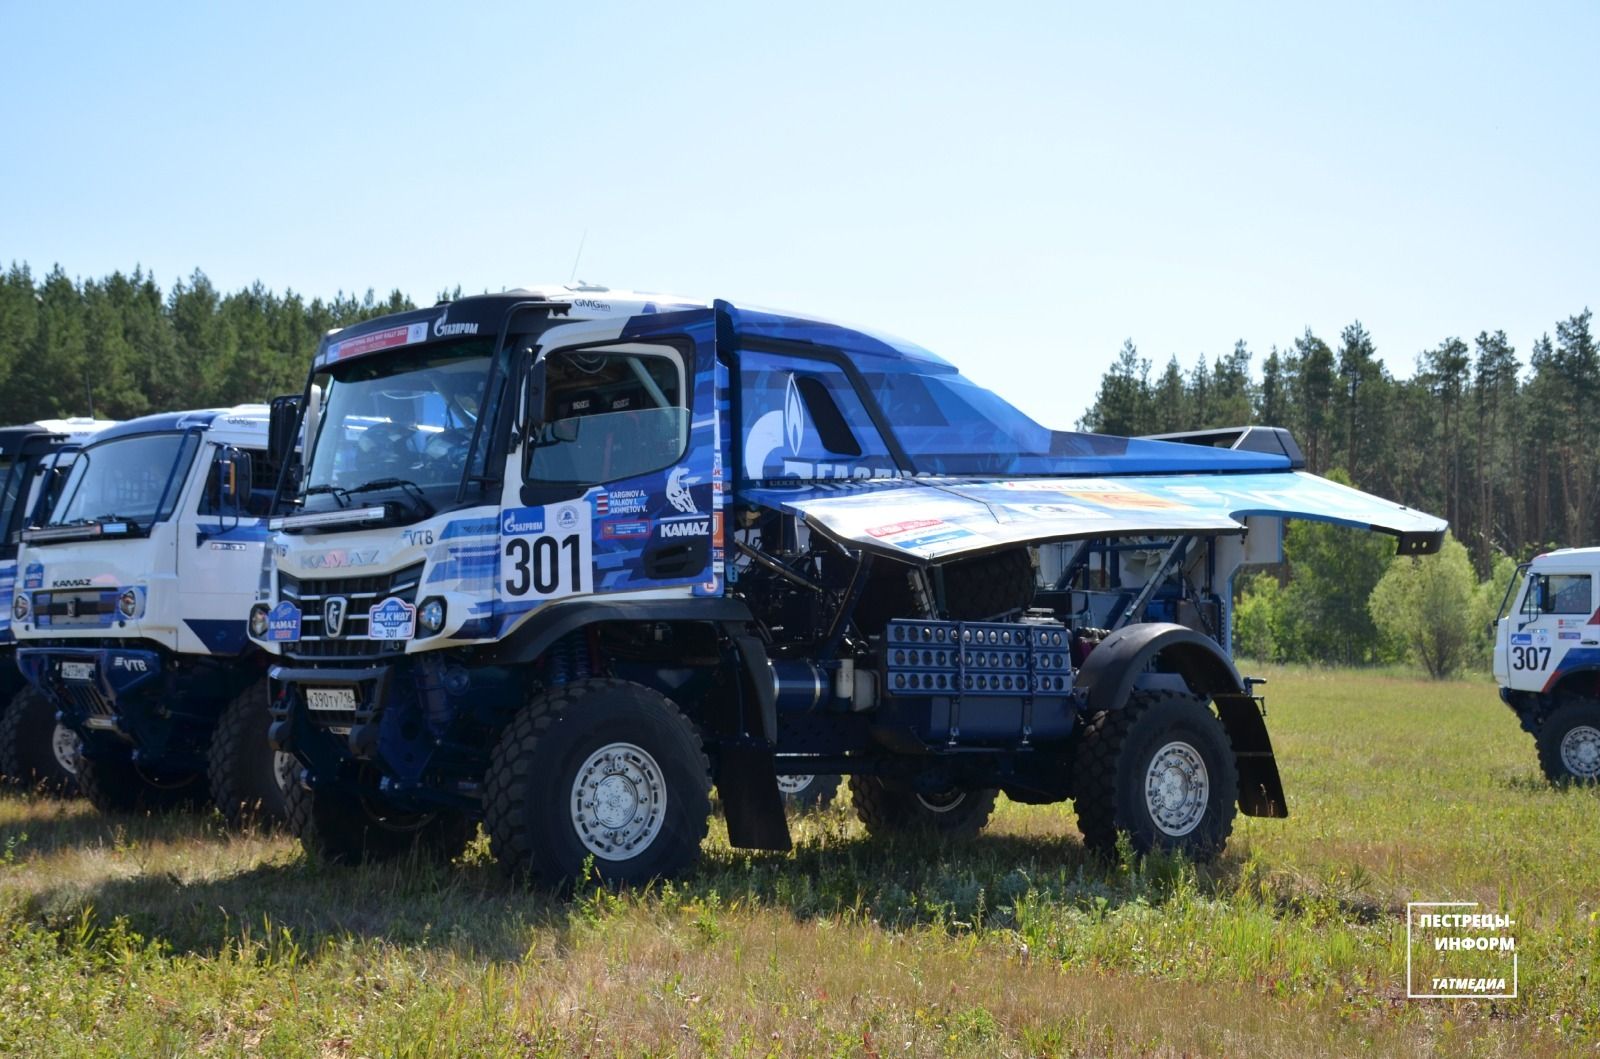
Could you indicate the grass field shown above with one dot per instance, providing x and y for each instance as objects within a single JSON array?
[{"x": 169, "y": 936}]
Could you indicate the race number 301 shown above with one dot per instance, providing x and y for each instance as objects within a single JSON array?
[{"x": 545, "y": 552}]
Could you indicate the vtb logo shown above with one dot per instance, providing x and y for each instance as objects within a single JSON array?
[{"x": 333, "y": 612}]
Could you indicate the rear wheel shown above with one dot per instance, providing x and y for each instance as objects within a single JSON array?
[
  {"x": 248, "y": 777},
  {"x": 36, "y": 750},
  {"x": 603, "y": 772},
  {"x": 1569, "y": 743},
  {"x": 888, "y": 809},
  {"x": 340, "y": 826},
  {"x": 1160, "y": 769},
  {"x": 114, "y": 783},
  {"x": 805, "y": 792}
]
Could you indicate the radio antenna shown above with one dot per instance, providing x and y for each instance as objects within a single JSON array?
[{"x": 578, "y": 256}]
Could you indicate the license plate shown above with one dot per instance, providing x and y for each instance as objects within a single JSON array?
[
  {"x": 77, "y": 670},
  {"x": 331, "y": 698}
]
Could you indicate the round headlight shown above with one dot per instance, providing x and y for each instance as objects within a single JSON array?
[
  {"x": 19, "y": 606},
  {"x": 258, "y": 620},
  {"x": 128, "y": 603},
  {"x": 431, "y": 615}
]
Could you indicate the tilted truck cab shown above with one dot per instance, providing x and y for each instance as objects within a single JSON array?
[
  {"x": 130, "y": 606},
  {"x": 1547, "y": 660},
  {"x": 34, "y": 457},
  {"x": 561, "y": 559}
]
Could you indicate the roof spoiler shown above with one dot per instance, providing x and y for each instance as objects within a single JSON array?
[{"x": 1273, "y": 440}]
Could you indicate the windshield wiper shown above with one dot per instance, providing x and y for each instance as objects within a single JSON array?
[
  {"x": 340, "y": 496},
  {"x": 405, "y": 485}
]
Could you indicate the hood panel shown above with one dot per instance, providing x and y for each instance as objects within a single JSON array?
[{"x": 934, "y": 519}]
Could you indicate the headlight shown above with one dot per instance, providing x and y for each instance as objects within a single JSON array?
[
  {"x": 19, "y": 606},
  {"x": 431, "y": 615},
  {"x": 258, "y": 620},
  {"x": 128, "y": 603}
]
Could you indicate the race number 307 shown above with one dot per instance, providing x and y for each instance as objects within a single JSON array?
[{"x": 545, "y": 552}]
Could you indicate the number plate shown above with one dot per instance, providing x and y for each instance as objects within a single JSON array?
[
  {"x": 77, "y": 670},
  {"x": 331, "y": 698}
]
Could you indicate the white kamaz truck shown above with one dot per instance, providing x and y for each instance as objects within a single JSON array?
[
  {"x": 1547, "y": 660},
  {"x": 129, "y": 613},
  {"x": 35, "y": 750}
]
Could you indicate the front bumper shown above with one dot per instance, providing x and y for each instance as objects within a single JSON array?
[{"x": 97, "y": 689}]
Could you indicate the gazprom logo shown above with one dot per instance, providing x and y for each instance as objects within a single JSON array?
[
  {"x": 520, "y": 520},
  {"x": 441, "y": 328},
  {"x": 794, "y": 416}
]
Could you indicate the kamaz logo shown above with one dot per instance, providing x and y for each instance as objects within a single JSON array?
[
  {"x": 686, "y": 529},
  {"x": 75, "y": 582},
  {"x": 333, "y": 612},
  {"x": 132, "y": 665},
  {"x": 325, "y": 560},
  {"x": 441, "y": 329}
]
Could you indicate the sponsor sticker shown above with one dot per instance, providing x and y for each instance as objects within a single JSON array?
[
  {"x": 621, "y": 502},
  {"x": 894, "y": 529},
  {"x": 624, "y": 529},
  {"x": 1541, "y": 637},
  {"x": 283, "y": 623},
  {"x": 33, "y": 576},
  {"x": 1572, "y": 636},
  {"x": 1521, "y": 639},
  {"x": 690, "y": 527},
  {"x": 393, "y": 619},
  {"x": 403, "y": 335}
]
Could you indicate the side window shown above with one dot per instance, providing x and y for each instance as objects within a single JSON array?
[
  {"x": 1562, "y": 594},
  {"x": 803, "y": 419},
  {"x": 610, "y": 413}
]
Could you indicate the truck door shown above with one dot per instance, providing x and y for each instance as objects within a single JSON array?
[
  {"x": 219, "y": 551},
  {"x": 621, "y": 473},
  {"x": 1551, "y": 620}
]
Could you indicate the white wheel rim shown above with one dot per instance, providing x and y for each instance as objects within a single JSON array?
[
  {"x": 1580, "y": 752},
  {"x": 1177, "y": 789},
  {"x": 285, "y": 769},
  {"x": 795, "y": 784},
  {"x": 942, "y": 803},
  {"x": 64, "y": 745},
  {"x": 619, "y": 801}
]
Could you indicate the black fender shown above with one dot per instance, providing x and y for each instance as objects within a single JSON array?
[{"x": 1109, "y": 674}]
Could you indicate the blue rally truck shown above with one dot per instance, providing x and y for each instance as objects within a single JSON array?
[
  {"x": 561, "y": 559},
  {"x": 130, "y": 613},
  {"x": 35, "y": 749}
]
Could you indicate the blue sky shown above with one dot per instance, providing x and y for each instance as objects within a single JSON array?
[{"x": 1019, "y": 187}]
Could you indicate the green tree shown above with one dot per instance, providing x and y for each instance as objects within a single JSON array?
[
  {"x": 1426, "y": 606},
  {"x": 1333, "y": 569}
]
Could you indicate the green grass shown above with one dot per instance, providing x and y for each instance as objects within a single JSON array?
[{"x": 171, "y": 936}]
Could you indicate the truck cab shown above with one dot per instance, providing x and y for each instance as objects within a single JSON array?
[
  {"x": 1547, "y": 660},
  {"x": 34, "y": 458},
  {"x": 129, "y": 611},
  {"x": 560, "y": 559}
]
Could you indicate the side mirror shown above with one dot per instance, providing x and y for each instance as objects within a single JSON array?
[
  {"x": 281, "y": 428},
  {"x": 233, "y": 479},
  {"x": 533, "y": 399}
]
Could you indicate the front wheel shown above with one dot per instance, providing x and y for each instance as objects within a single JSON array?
[
  {"x": 248, "y": 778},
  {"x": 1162, "y": 770},
  {"x": 601, "y": 772},
  {"x": 36, "y": 750},
  {"x": 1569, "y": 743},
  {"x": 114, "y": 783}
]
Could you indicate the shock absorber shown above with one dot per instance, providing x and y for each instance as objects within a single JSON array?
[{"x": 569, "y": 659}]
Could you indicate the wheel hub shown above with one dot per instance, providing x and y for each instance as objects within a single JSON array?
[
  {"x": 285, "y": 769},
  {"x": 1580, "y": 752},
  {"x": 795, "y": 784},
  {"x": 1177, "y": 789},
  {"x": 942, "y": 803},
  {"x": 64, "y": 745},
  {"x": 619, "y": 800}
]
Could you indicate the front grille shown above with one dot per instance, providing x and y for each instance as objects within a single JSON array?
[
  {"x": 64, "y": 609},
  {"x": 85, "y": 699},
  {"x": 361, "y": 594}
]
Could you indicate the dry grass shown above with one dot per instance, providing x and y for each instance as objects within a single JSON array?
[{"x": 170, "y": 936}]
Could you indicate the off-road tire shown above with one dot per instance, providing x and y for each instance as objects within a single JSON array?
[
  {"x": 28, "y": 755},
  {"x": 813, "y": 796},
  {"x": 338, "y": 826},
  {"x": 114, "y": 784},
  {"x": 890, "y": 809},
  {"x": 974, "y": 589},
  {"x": 1112, "y": 772},
  {"x": 242, "y": 767},
  {"x": 532, "y": 805},
  {"x": 1567, "y": 741}
]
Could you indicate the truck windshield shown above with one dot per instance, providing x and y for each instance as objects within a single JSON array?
[
  {"x": 401, "y": 424},
  {"x": 11, "y": 486},
  {"x": 132, "y": 479}
]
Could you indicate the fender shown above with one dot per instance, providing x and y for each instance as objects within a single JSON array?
[
  {"x": 536, "y": 635},
  {"x": 1109, "y": 674}
]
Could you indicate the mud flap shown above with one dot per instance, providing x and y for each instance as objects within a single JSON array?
[
  {"x": 1260, "y": 786},
  {"x": 747, "y": 783}
]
